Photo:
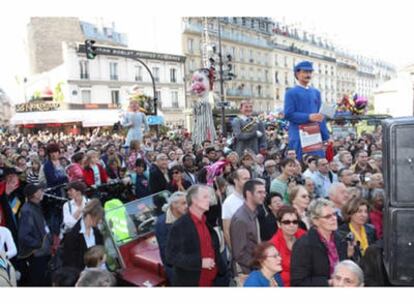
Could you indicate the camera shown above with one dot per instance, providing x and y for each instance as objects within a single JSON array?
[{"x": 350, "y": 237}]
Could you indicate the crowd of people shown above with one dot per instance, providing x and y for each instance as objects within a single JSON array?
[
  {"x": 254, "y": 212},
  {"x": 270, "y": 210}
]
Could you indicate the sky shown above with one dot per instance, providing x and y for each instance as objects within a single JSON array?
[{"x": 379, "y": 29}]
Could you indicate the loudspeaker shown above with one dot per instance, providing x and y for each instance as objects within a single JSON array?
[
  {"x": 398, "y": 161},
  {"x": 399, "y": 245}
]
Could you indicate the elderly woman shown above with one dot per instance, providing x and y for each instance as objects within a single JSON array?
[
  {"x": 176, "y": 207},
  {"x": 299, "y": 199},
  {"x": 268, "y": 261},
  {"x": 355, "y": 214},
  {"x": 286, "y": 236},
  {"x": 315, "y": 255},
  {"x": 347, "y": 274}
]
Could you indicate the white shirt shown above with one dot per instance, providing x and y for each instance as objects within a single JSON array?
[
  {"x": 231, "y": 204},
  {"x": 89, "y": 240},
  {"x": 6, "y": 238},
  {"x": 309, "y": 174},
  {"x": 68, "y": 220}
]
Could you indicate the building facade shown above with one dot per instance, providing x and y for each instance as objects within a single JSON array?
[
  {"x": 290, "y": 46},
  {"x": 5, "y": 108},
  {"x": 247, "y": 41},
  {"x": 107, "y": 80},
  {"x": 264, "y": 52}
]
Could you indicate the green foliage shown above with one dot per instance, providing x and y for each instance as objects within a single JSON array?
[{"x": 58, "y": 94}]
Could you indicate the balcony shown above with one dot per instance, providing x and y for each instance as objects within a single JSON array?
[
  {"x": 239, "y": 93},
  {"x": 226, "y": 35}
]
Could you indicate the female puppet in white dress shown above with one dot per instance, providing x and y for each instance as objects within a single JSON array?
[{"x": 135, "y": 120}]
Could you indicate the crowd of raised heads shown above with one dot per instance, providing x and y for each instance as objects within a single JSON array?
[{"x": 266, "y": 210}]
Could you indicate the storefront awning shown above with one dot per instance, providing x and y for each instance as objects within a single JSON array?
[{"x": 88, "y": 118}]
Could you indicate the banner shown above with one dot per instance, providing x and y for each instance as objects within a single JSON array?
[{"x": 310, "y": 137}]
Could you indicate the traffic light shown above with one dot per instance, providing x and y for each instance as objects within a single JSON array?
[{"x": 90, "y": 49}]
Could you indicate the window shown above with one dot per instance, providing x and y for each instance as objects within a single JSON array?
[
  {"x": 266, "y": 75},
  {"x": 286, "y": 79},
  {"x": 113, "y": 70},
  {"x": 138, "y": 73},
  {"x": 174, "y": 99},
  {"x": 251, "y": 56},
  {"x": 115, "y": 97},
  {"x": 156, "y": 73},
  {"x": 241, "y": 55},
  {"x": 173, "y": 75},
  {"x": 277, "y": 94},
  {"x": 190, "y": 45},
  {"x": 84, "y": 69},
  {"x": 277, "y": 77},
  {"x": 86, "y": 96},
  {"x": 243, "y": 21},
  {"x": 259, "y": 90}
]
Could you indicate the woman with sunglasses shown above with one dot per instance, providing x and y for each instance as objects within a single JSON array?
[
  {"x": 285, "y": 237},
  {"x": 177, "y": 181},
  {"x": 267, "y": 260},
  {"x": 315, "y": 255}
]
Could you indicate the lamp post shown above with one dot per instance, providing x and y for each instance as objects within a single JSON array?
[
  {"x": 223, "y": 109},
  {"x": 153, "y": 88}
]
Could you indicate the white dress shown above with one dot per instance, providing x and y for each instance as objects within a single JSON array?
[{"x": 136, "y": 121}]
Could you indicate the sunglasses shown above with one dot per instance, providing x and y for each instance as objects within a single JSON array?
[
  {"x": 176, "y": 172},
  {"x": 287, "y": 222},
  {"x": 328, "y": 216}
]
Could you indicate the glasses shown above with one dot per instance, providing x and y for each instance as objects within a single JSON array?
[
  {"x": 275, "y": 256},
  {"x": 328, "y": 216},
  {"x": 176, "y": 172},
  {"x": 287, "y": 222}
]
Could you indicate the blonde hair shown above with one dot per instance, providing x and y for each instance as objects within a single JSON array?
[
  {"x": 94, "y": 256},
  {"x": 293, "y": 192}
]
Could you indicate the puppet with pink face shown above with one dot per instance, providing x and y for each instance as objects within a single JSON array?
[{"x": 201, "y": 85}]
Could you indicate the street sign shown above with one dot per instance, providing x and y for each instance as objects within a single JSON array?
[{"x": 155, "y": 120}]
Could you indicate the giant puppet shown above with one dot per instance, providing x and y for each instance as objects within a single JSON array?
[
  {"x": 135, "y": 119},
  {"x": 202, "y": 85}
]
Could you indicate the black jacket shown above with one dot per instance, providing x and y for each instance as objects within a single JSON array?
[
  {"x": 183, "y": 252},
  {"x": 157, "y": 181},
  {"x": 74, "y": 246},
  {"x": 33, "y": 236},
  {"x": 309, "y": 264},
  {"x": 369, "y": 229}
]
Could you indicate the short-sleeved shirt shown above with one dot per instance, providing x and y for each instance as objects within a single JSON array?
[{"x": 231, "y": 204}]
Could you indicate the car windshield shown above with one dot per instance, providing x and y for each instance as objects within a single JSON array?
[{"x": 135, "y": 219}]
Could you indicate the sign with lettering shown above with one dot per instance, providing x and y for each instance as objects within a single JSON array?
[
  {"x": 101, "y": 50},
  {"x": 37, "y": 107}
]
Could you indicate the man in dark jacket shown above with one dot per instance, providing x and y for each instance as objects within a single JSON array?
[
  {"x": 34, "y": 237},
  {"x": 315, "y": 255},
  {"x": 177, "y": 207},
  {"x": 193, "y": 248},
  {"x": 159, "y": 179}
]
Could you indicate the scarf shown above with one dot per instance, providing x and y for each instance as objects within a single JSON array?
[{"x": 360, "y": 237}]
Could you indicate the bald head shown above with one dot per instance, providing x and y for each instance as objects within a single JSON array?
[{"x": 338, "y": 194}]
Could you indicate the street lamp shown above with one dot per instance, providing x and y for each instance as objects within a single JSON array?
[{"x": 223, "y": 109}]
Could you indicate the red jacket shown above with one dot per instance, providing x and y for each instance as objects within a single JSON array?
[
  {"x": 285, "y": 253},
  {"x": 90, "y": 178}
]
